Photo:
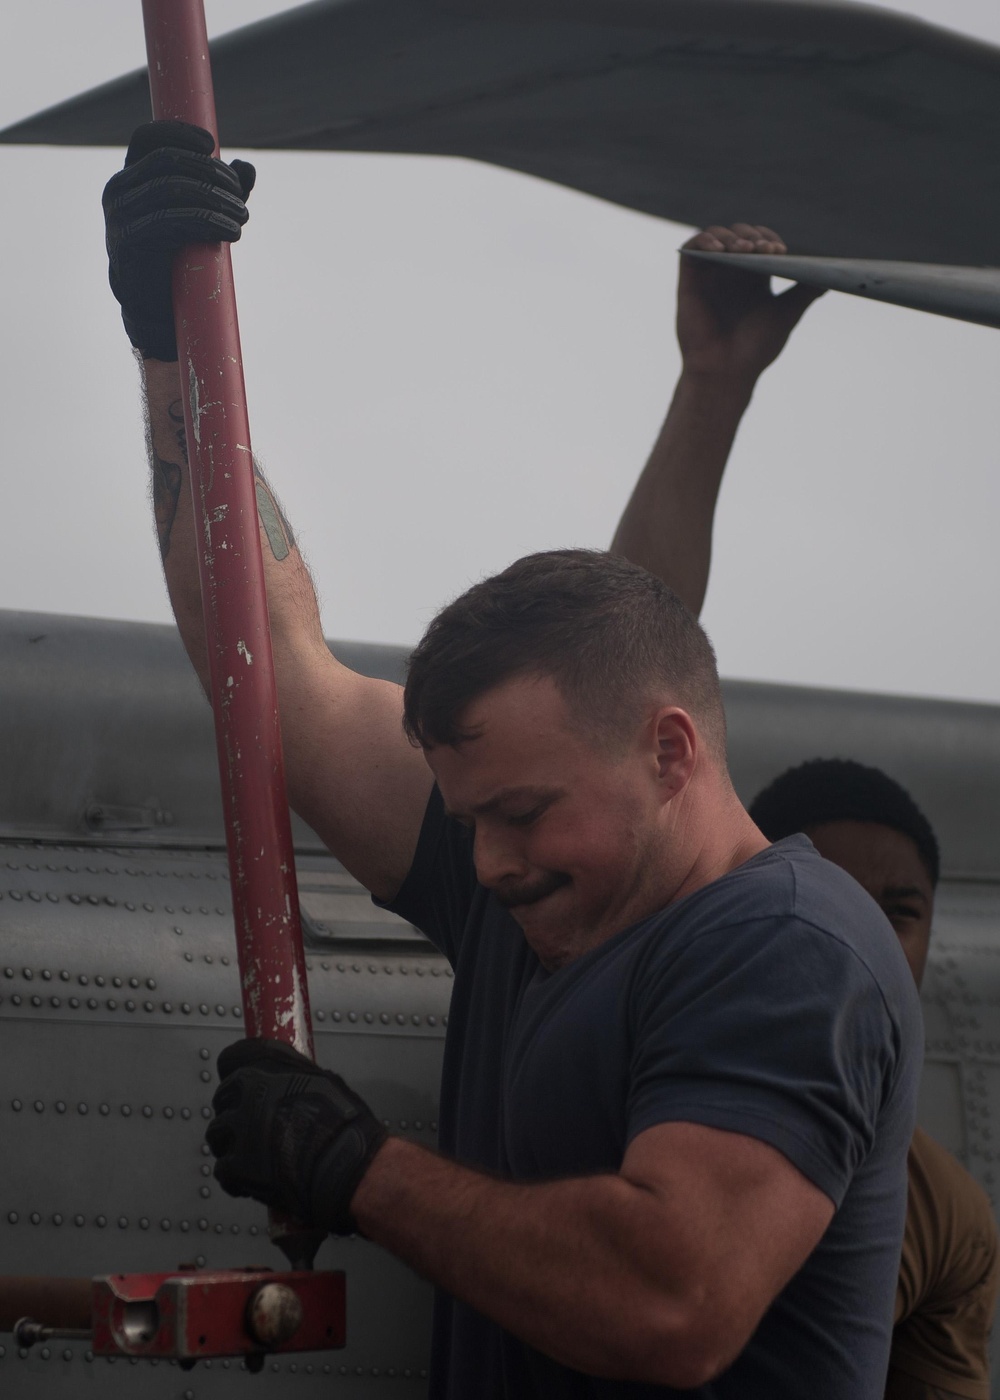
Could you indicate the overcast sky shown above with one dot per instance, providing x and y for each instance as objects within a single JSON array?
[{"x": 450, "y": 365}]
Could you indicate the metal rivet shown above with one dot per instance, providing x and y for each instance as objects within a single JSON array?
[
  {"x": 8, "y": 972},
  {"x": 126, "y": 1111},
  {"x": 101, "y": 1221},
  {"x": 92, "y": 1003},
  {"x": 148, "y": 1006},
  {"x": 27, "y": 973},
  {"x": 36, "y": 1001},
  {"x": 208, "y": 957},
  {"x": 205, "y": 1076},
  {"x": 400, "y": 1018},
  {"x": 206, "y": 1169},
  {"x": 384, "y": 1018},
  {"x": 147, "y": 1112},
  {"x": 203, "y": 1009},
  {"x": 218, "y": 1229},
  {"x": 16, "y": 1105},
  {"x": 83, "y": 979},
  {"x": 98, "y": 981},
  {"x": 189, "y": 957},
  {"x": 185, "y": 1113},
  {"x": 167, "y": 1007},
  {"x": 168, "y": 1113},
  {"x": 133, "y": 981},
  {"x": 112, "y": 1004},
  {"x": 45, "y": 1353},
  {"x": 254, "y": 1229},
  {"x": 369, "y": 1017},
  {"x": 15, "y": 999},
  {"x": 148, "y": 908},
  {"x": 352, "y": 1015},
  {"x": 78, "y": 1220},
  {"x": 185, "y": 1226},
  {"x": 224, "y": 961},
  {"x": 39, "y": 1106},
  {"x": 202, "y": 1225},
  {"x": 116, "y": 981},
  {"x": 143, "y": 1223},
  {"x": 204, "y": 1192},
  {"x": 432, "y": 1020},
  {"x": 46, "y": 975},
  {"x": 164, "y": 1224},
  {"x": 238, "y": 1012},
  {"x": 186, "y": 1008},
  {"x": 151, "y": 983},
  {"x": 12, "y": 1216},
  {"x": 220, "y": 1011},
  {"x": 415, "y": 1020},
  {"x": 60, "y": 1106},
  {"x": 320, "y": 1015},
  {"x": 123, "y": 1222},
  {"x": 206, "y": 1112}
]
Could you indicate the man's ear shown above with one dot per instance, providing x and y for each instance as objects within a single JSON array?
[{"x": 677, "y": 747}]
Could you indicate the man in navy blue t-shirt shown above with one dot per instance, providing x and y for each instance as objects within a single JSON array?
[
  {"x": 681, "y": 1064},
  {"x": 681, "y": 1068}
]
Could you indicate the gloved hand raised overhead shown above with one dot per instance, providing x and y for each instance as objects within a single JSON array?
[
  {"x": 172, "y": 192},
  {"x": 290, "y": 1134}
]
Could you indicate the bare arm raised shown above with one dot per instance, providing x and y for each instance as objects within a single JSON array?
[
  {"x": 730, "y": 328},
  {"x": 352, "y": 773}
]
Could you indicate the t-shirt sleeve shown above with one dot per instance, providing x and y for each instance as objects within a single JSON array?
[
  {"x": 438, "y": 891},
  {"x": 948, "y": 1278},
  {"x": 771, "y": 1028}
]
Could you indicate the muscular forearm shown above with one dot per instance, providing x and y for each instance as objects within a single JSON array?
[
  {"x": 667, "y": 524},
  {"x": 291, "y": 599},
  {"x": 576, "y": 1268}
]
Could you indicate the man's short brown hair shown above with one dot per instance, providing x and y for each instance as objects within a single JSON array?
[{"x": 612, "y": 636}]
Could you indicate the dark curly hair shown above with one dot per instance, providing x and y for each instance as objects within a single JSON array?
[
  {"x": 838, "y": 789},
  {"x": 608, "y": 633}
]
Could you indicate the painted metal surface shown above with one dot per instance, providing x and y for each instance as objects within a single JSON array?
[
  {"x": 118, "y": 985},
  {"x": 234, "y": 600},
  {"x": 854, "y": 130},
  {"x": 202, "y": 1314}
]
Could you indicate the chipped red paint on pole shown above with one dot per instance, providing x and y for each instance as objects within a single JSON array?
[{"x": 244, "y": 698}]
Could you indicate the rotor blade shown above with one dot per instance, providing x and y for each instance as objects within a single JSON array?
[
  {"x": 842, "y": 125},
  {"x": 964, "y": 293}
]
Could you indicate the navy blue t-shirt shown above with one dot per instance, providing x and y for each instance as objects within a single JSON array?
[{"x": 774, "y": 1002}]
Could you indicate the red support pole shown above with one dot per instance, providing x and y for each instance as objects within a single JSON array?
[
  {"x": 234, "y": 598},
  {"x": 243, "y": 693}
]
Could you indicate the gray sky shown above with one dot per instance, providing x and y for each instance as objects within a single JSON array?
[{"x": 450, "y": 365}]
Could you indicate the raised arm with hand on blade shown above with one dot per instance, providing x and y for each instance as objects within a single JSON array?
[
  {"x": 730, "y": 327},
  {"x": 352, "y": 773}
]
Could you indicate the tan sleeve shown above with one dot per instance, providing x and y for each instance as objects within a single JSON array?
[{"x": 948, "y": 1279}]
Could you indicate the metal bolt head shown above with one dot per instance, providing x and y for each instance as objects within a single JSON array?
[{"x": 274, "y": 1314}]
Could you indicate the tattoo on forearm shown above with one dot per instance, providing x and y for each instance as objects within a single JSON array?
[
  {"x": 166, "y": 494},
  {"x": 176, "y": 415},
  {"x": 276, "y": 527}
]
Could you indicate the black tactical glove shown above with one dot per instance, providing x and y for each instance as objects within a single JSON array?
[
  {"x": 290, "y": 1134},
  {"x": 172, "y": 192}
]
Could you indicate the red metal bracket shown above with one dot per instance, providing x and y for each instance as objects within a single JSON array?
[{"x": 198, "y": 1314}]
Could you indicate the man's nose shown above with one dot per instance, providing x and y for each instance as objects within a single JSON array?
[{"x": 497, "y": 856}]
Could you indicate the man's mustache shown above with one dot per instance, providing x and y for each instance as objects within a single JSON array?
[{"x": 513, "y": 893}]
